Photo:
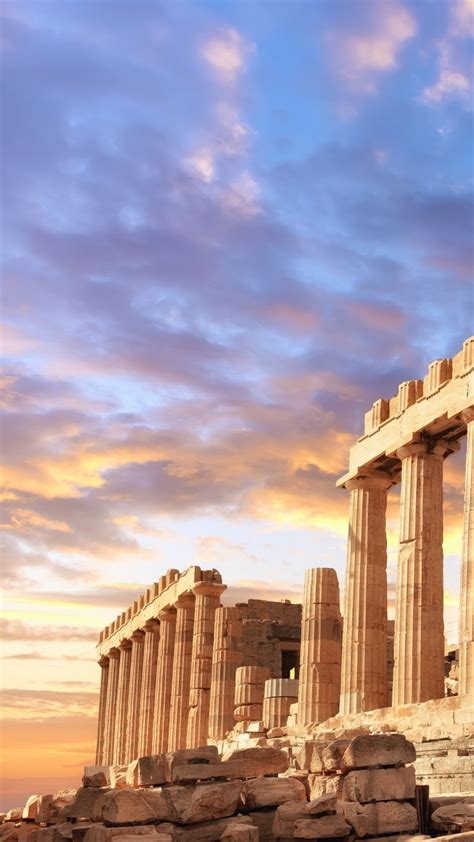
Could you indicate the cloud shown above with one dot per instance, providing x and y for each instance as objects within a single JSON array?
[
  {"x": 454, "y": 79},
  {"x": 371, "y": 52},
  {"x": 226, "y": 53},
  {"x": 19, "y": 630}
]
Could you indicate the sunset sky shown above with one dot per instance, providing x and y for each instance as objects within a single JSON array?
[{"x": 228, "y": 228}]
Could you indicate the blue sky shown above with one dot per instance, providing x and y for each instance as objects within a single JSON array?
[{"x": 227, "y": 229}]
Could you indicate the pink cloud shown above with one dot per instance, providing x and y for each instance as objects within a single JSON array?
[{"x": 226, "y": 53}]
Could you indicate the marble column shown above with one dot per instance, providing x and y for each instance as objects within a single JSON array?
[
  {"x": 181, "y": 672},
  {"x": 134, "y": 696},
  {"x": 320, "y": 653},
  {"x": 226, "y": 657},
  {"x": 207, "y": 601},
  {"x": 121, "y": 709},
  {"x": 364, "y": 642},
  {"x": 419, "y": 629},
  {"x": 164, "y": 676},
  {"x": 147, "y": 706},
  {"x": 104, "y": 678},
  {"x": 466, "y": 613},
  {"x": 110, "y": 705}
]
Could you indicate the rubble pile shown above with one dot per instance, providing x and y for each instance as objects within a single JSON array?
[{"x": 339, "y": 790}]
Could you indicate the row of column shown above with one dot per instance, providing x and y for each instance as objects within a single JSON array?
[
  {"x": 156, "y": 687},
  {"x": 419, "y": 636}
]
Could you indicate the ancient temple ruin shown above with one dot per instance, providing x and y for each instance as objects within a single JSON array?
[{"x": 179, "y": 670}]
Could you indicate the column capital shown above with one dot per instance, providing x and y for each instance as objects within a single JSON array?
[
  {"x": 370, "y": 479},
  {"x": 103, "y": 661},
  {"x": 151, "y": 626},
  {"x": 185, "y": 600},
  {"x": 125, "y": 644},
  {"x": 209, "y": 588},
  {"x": 114, "y": 653},
  {"x": 430, "y": 447},
  {"x": 467, "y": 415},
  {"x": 167, "y": 614},
  {"x": 137, "y": 635}
]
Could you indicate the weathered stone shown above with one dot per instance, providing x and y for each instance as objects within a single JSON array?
[
  {"x": 371, "y": 750},
  {"x": 325, "y": 804},
  {"x": 285, "y": 817},
  {"x": 101, "y": 833},
  {"x": 186, "y": 805},
  {"x": 241, "y": 833},
  {"x": 118, "y": 776},
  {"x": 15, "y": 814},
  {"x": 454, "y": 818},
  {"x": 324, "y": 827},
  {"x": 322, "y": 784},
  {"x": 270, "y": 792},
  {"x": 378, "y": 785},
  {"x": 332, "y": 755},
  {"x": 184, "y": 757},
  {"x": 57, "y": 805},
  {"x": 275, "y": 732},
  {"x": 259, "y": 761},
  {"x": 147, "y": 771},
  {"x": 30, "y": 810},
  {"x": 263, "y": 819},
  {"x": 210, "y": 831},
  {"x": 79, "y": 830},
  {"x": 7, "y": 829},
  {"x": 126, "y": 806},
  {"x": 380, "y": 818},
  {"x": 96, "y": 776},
  {"x": 131, "y": 836},
  {"x": 82, "y": 805}
]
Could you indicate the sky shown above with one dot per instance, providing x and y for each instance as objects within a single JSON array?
[{"x": 227, "y": 229}]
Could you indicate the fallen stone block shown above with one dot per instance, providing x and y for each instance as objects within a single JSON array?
[
  {"x": 15, "y": 814},
  {"x": 147, "y": 771},
  {"x": 285, "y": 817},
  {"x": 323, "y": 805},
  {"x": 324, "y": 827},
  {"x": 128, "y": 806},
  {"x": 54, "y": 808},
  {"x": 204, "y": 754},
  {"x": 454, "y": 818},
  {"x": 207, "y": 771},
  {"x": 186, "y": 805},
  {"x": 384, "y": 784},
  {"x": 241, "y": 833},
  {"x": 101, "y": 833},
  {"x": 259, "y": 760},
  {"x": 82, "y": 805},
  {"x": 371, "y": 750},
  {"x": 276, "y": 732},
  {"x": 381, "y": 818},
  {"x": 332, "y": 754},
  {"x": 206, "y": 831},
  {"x": 44, "y": 808},
  {"x": 270, "y": 792},
  {"x": 322, "y": 784},
  {"x": 263, "y": 820},
  {"x": 118, "y": 776},
  {"x": 96, "y": 776},
  {"x": 7, "y": 829}
]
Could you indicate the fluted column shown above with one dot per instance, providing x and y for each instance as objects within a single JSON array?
[
  {"x": 181, "y": 672},
  {"x": 207, "y": 601},
  {"x": 466, "y": 614},
  {"x": 419, "y": 629},
  {"x": 104, "y": 678},
  {"x": 134, "y": 696},
  {"x": 320, "y": 654},
  {"x": 364, "y": 642},
  {"x": 226, "y": 657},
  {"x": 121, "y": 710},
  {"x": 147, "y": 706},
  {"x": 110, "y": 705},
  {"x": 164, "y": 676}
]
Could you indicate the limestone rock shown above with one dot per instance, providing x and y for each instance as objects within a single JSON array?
[
  {"x": 263, "y": 820},
  {"x": 118, "y": 776},
  {"x": 454, "y": 818},
  {"x": 371, "y": 750},
  {"x": 101, "y": 833},
  {"x": 206, "y": 771},
  {"x": 96, "y": 776},
  {"x": 324, "y": 827},
  {"x": 276, "y": 732},
  {"x": 82, "y": 805},
  {"x": 324, "y": 804},
  {"x": 30, "y": 810},
  {"x": 204, "y": 754},
  {"x": 147, "y": 771},
  {"x": 57, "y": 805},
  {"x": 270, "y": 792},
  {"x": 186, "y": 805},
  {"x": 259, "y": 760},
  {"x": 378, "y": 785},
  {"x": 241, "y": 833},
  {"x": 322, "y": 784},
  {"x": 8, "y": 830},
  {"x": 126, "y": 806},
  {"x": 44, "y": 807},
  {"x": 15, "y": 814},
  {"x": 206, "y": 831},
  {"x": 332, "y": 755},
  {"x": 381, "y": 818},
  {"x": 131, "y": 836}
]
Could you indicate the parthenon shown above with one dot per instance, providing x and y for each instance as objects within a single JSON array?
[{"x": 180, "y": 670}]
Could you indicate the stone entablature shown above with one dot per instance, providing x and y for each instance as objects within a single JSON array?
[{"x": 431, "y": 407}]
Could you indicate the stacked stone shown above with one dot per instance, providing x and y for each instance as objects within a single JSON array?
[
  {"x": 249, "y": 693},
  {"x": 279, "y": 695},
  {"x": 226, "y": 658}
]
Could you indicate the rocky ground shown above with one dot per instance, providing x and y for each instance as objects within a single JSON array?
[{"x": 344, "y": 789}]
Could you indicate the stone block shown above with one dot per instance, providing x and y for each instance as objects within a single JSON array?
[
  {"x": 118, "y": 776},
  {"x": 281, "y": 687},
  {"x": 322, "y": 784},
  {"x": 324, "y": 827},
  {"x": 263, "y": 820},
  {"x": 285, "y": 817},
  {"x": 127, "y": 806},
  {"x": 259, "y": 761},
  {"x": 30, "y": 810},
  {"x": 271, "y": 792},
  {"x": 387, "y": 784},
  {"x": 371, "y": 750},
  {"x": 15, "y": 814},
  {"x": 210, "y": 831},
  {"x": 207, "y": 771},
  {"x": 454, "y": 818},
  {"x": 247, "y": 713},
  {"x": 384, "y": 817},
  {"x": 82, "y": 805},
  {"x": 241, "y": 833},
  {"x": 332, "y": 755},
  {"x": 204, "y": 754},
  {"x": 322, "y": 805},
  {"x": 186, "y": 805},
  {"x": 96, "y": 776},
  {"x": 147, "y": 771},
  {"x": 54, "y": 808},
  {"x": 256, "y": 727}
]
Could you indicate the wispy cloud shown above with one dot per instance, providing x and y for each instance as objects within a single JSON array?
[{"x": 226, "y": 52}]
